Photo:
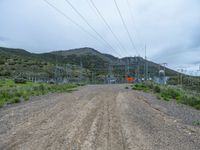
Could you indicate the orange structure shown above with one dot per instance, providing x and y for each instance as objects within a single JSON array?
[{"x": 130, "y": 79}]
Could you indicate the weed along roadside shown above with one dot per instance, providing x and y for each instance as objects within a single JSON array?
[
  {"x": 15, "y": 92},
  {"x": 169, "y": 93}
]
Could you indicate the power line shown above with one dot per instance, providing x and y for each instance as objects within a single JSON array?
[
  {"x": 68, "y": 18},
  {"x": 91, "y": 27},
  {"x": 133, "y": 19},
  {"x": 106, "y": 23},
  {"x": 125, "y": 26}
]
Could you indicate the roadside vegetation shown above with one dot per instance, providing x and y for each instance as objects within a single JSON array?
[
  {"x": 196, "y": 123},
  {"x": 16, "y": 91},
  {"x": 169, "y": 93},
  {"x": 186, "y": 82}
]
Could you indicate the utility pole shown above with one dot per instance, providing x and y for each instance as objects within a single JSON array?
[
  {"x": 110, "y": 74},
  {"x": 125, "y": 72},
  {"x": 138, "y": 68},
  {"x": 198, "y": 76},
  {"x": 181, "y": 76},
  {"x": 146, "y": 68},
  {"x": 56, "y": 70},
  {"x": 128, "y": 66},
  {"x": 68, "y": 72},
  {"x": 81, "y": 71},
  {"x": 164, "y": 65},
  {"x": 181, "y": 79}
]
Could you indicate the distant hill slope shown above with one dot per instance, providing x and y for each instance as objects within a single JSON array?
[
  {"x": 16, "y": 61},
  {"x": 86, "y": 51}
]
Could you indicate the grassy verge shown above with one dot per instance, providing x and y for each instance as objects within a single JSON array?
[
  {"x": 168, "y": 93},
  {"x": 196, "y": 123},
  {"x": 10, "y": 92}
]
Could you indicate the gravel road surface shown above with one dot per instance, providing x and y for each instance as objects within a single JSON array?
[{"x": 97, "y": 117}]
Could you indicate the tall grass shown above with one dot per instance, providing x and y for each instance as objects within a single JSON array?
[
  {"x": 10, "y": 92},
  {"x": 168, "y": 93}
]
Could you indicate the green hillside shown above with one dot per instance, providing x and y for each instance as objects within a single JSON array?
[{"x": 56, "y": 64}]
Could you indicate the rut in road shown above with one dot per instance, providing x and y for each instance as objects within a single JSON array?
[{"x": 103, "y": 117}]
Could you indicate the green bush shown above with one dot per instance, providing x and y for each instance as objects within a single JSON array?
[
  {"x": 150, "y": 85},
  {"x": 26, "y": 98},
  {"x": 197, "y": 107},
  {"x": 2, "y": 103},
  {"x": 19, "y": 94},
  {"x": 6, "y": 73},
  {"x": 156, "y": 89},
  {"x": 41, "y": 87},
  {"x": 174, "y": 93},
  {"x": 136, "y": 85},
  {"x": 20, "y": 81},
  {"x": 15, "y": 100},
  {"x": 191, "y": 101},
  {"x": 10, "y": 92},
  {"x": 11, "y": 63},
  {"x": 158, "y": 97},
  {"x": 168, "y": 93},
  {"x": 2, "y": 62},
  {"x": 140, "y": 87},
  {"x": 196, "y": 123},
  {"x": 166, "y": 98}
]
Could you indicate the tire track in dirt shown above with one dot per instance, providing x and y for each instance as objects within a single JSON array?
[
  {"x": 103, "y": 117},
  {"x": 45, "y": 125},
  {"x": 132, "y": 135},
  {"x": 153, "y": 129}
]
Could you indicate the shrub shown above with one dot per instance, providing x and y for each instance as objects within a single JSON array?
[
  {"x": 19, "y": 94},
  {"x": 6, "y": 73},
  {"x": 158, "y": 97},
  {"x": 191, "y": 101},
  {"x": 2, "y": 62},
  {"x": 11, "y": 63},
  {"x": 140, "y": 87},
  {"x": 175, "y": 94},
  {"x": 20, "y": 81},
  {"x": 41, "y": 87},
  {"x": 156, "y": 89},
  {"x": 2, "y": 102},
  {"x": 196, "y": 123},
  {"x": 165, "y": 96},
  {"x": 150, "y": 85},
  {"x": 5, "y": 94},
  {"x": 197, "y": 107},
  {"x": 136, "y": 85},
  {"x": 15, "y": 100},
  {"x": 12, "y": 93},
  {"x": 26, "y": 98},
  {"x": 26, "y": 95},
  {"x": 170, "y": 93}
]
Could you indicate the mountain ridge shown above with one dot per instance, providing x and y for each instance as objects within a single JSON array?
[{"x": 16, "y": 60}]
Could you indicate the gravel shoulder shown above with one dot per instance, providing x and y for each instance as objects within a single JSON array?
[{"x": 99, "y": 117}]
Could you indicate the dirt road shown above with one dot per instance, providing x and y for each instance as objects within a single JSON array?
[{"x": 103, "y": 117}]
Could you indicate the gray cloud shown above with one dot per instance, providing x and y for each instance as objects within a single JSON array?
[
  {"x": 169, "y": 28},
  {"x": 3, "y": 39}
]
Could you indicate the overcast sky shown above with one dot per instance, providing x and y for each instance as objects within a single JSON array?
[{"x": 169, "y": 28}]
